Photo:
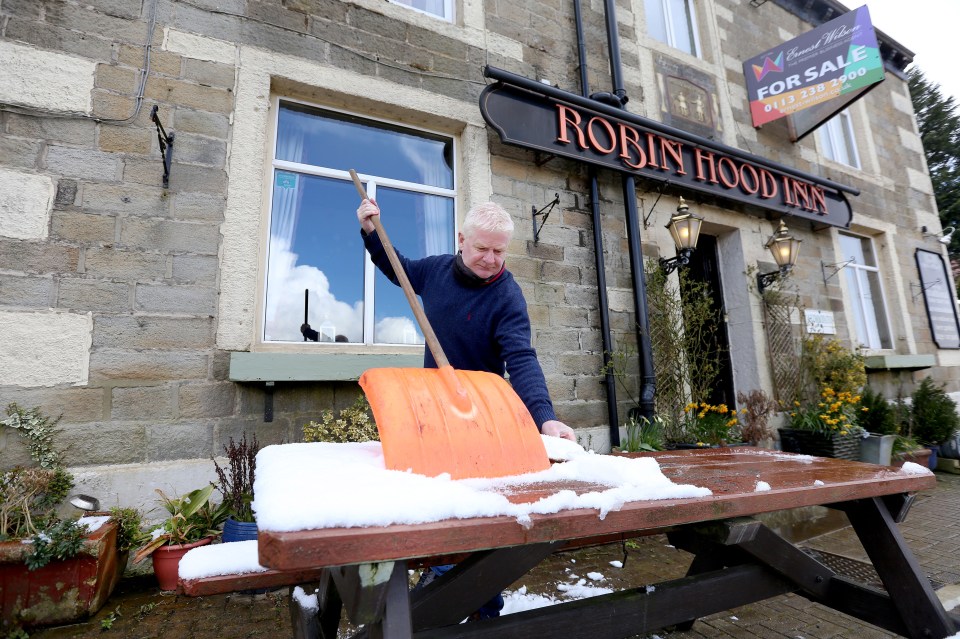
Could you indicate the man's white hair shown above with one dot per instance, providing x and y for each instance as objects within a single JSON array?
[{"x": 488, "y": 216}]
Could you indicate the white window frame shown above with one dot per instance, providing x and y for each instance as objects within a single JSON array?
[
  {"x": 861, "y": 306},
  {"x": 837, "y": 139},
  {"x": 448, "y": 9},
  {"x": 672, "y": 24},
  {"x": 369, "y": 269}
]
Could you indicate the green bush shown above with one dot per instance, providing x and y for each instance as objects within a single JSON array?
[
  {"x": 933, "y": 414},
  {"x": 354, "y": 425},
  {"x": 876, "y": 415}
]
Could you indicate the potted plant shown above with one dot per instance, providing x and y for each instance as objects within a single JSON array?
[
  {"x": 878, "y": 420},
  {"x": 933, "y": 416},
  {"x": 235, "y": 483},
  {"x": 193, "y": 521},
  {"x": 711, "y": 424},
  {"x": 52, "y": 570},
  {"x": 642, "y": 435}
]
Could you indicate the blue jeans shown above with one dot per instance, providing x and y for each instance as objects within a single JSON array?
[{"x": 488, "y": 610}]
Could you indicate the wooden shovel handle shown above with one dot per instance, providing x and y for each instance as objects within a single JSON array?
[{"x": 428, "y": 335}]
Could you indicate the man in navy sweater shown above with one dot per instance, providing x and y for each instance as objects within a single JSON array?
[{"x": 475, "y": 306}]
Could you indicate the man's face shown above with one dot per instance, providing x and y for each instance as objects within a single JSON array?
[{"x": 484, "y": 251}]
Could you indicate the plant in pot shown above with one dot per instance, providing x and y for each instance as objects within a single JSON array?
[
  {"x": 933, "y": 416},
  {"x": 354, "y": 424},
  {"x": 711, "y": 424},
  {"x": 822, "y": 419},
  {"x": 235, "y": 483},
  {"x": 878, "y": 419},
  {"x": 643, "y": 435},
  {"x": 52, "y": 570},
  {"x": 193, "y": 521}
]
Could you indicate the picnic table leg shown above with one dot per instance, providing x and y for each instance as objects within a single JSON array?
[
  {"x": 321, "y": 623},
  {"x": 910, "y": 591},
  {"x": 395, "y": 622}
]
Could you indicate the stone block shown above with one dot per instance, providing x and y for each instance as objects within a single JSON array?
[
  {"x": 80, "y": 132},
  {"x": 26, "y": 200},
  {"x": 145, "y": 331},
  {"x": 29, "y": 9},
  {"x": 215, "y": 125},
  {"x": 82, "y": 228},
  {"x": 33, "y": 257},
  {"x": 198, "y": 206},
  {"x": 66, "y": 193},
  {"x": 117, "y": 364},
  {"x": 64, "y": 40},
  {"x": 559, "y": 272},
  {"x": 161, "y": 62},
  {"x": 579, "y": 413},
  {"x": 554, "y": 341},
  {"x": 166, "y": 235},
  {"x": 143, "y": 403},
  {"x": 196, "y": 269},
  {"x": 72, "y": 405},
  {"x": 78, "y": 294},
  {"x": 179, "y": 441},
  {"x": 19, "y": 152},
  {"x": 181, "y": 36},
  {"x": 267, "y": 433},
  {"x": 104, "y": 443},
  {"x": 121, "y": 139},
  {"x": 124, "y": 265},
  {"x": 580, "y": 363},
  {"x": 44, "y": 348},
  {"x": 85, "y": 19},
  {"x": 189, "y": 94},
  {"x": 117, "y": 8},
  {"x": 110, "y": 106},
  {"x": 572, "y": 316},
  {"x": 33, "y": 292},
  {"x": 207, "y": 400},
  {"x": 209, "y": 73},
  {"x": 45, "y": 79},
  {"x": 197, "y": 300},
  {"x": 194, "y": 149},
  {"x": 127, "y": 198},
  {"x": 83, "y": 163},
  {"x": 548, "y": 294},
  {"x": 116, "y": 78},
  {"x": 220, "y": 369},
  {"x": 591, "y": 389}
]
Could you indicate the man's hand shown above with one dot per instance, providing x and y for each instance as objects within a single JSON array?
[
  {"x": 368, "y": 208},
  {"x": 558, "y": 429}
]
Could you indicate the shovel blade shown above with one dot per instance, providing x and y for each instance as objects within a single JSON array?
[{"x": 424, "y": 427}]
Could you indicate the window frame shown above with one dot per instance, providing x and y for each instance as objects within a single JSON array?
[
  {"x": 449, "y": 7},
  {"x": 371, "y": 185},
  {"x": 858, "y": 303},
  {"x": 837, "y": 131},
  {"x": 670, "y": 27}
]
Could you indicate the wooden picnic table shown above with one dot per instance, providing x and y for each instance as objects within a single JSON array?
[{"x": 737, "y": 560}]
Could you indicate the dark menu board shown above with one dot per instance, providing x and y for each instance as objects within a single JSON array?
[{"x": 940, "y": 299}]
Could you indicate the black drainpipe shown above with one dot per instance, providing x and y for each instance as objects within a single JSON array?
[
  {"x": 648, "y": 382},
  {"x": 609, "y": 380}
]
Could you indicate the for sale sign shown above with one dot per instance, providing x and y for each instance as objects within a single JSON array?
[{"x": 839, "y": 57}]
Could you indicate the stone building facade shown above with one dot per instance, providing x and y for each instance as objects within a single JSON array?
[{"x": 143, "y": 314}]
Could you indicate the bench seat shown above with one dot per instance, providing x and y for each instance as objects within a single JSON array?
[{"x": 221, "y": 568}]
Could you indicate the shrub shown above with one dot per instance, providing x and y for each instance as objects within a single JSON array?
[
  {"x": 876, "y": 415},
  {"x": 712, "y": 423},
  {"x": 354, "y": 425},
  {"x": 757, "y": 408},
  {"x": 933, "y": 414}
]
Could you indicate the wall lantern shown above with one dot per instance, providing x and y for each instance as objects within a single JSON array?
[
  {"x": 684, "y": 226},
  {"x": 785, "y": 249}
]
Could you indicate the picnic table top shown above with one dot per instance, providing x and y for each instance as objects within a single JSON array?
[{"x": 731, "y": 474}]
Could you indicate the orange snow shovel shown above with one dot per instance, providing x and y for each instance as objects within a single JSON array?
[{"x": 441, "y": 420}]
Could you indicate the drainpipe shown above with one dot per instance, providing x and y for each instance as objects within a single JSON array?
[
  {"x": 619, "y": 98},
  {"x": 609, "y": 380}
]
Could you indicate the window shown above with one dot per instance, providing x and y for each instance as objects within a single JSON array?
[
  {"x": 317, "y": 268},
  {"x": 837, "y": 141},
  {"x": 440, "y": 8},
  {"x": 863, "y": 283},
  {"x": 673, "y": 22}
]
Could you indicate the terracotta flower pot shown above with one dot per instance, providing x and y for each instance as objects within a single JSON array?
[{"x": 166, "y": 562}]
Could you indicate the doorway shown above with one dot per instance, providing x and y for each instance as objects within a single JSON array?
[{"x": 705, "y": 267}]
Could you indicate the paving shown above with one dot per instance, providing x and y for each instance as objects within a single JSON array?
[{"x": 137, "y": 610}]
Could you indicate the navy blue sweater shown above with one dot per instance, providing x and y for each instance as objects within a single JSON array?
[{"x": 480, "y": 328}]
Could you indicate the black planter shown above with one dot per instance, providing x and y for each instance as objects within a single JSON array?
[{"x": 808, "y": 442}]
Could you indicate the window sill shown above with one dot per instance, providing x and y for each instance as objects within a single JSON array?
[
  {"x": 313, "y": 367},
  {"x": 899, "y": 362}
]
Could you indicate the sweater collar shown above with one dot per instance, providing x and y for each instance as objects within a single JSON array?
[{"x": 468, "y": 278}]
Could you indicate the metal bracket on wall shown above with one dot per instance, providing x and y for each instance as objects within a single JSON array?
[
  {"x": 268, "y": 402},
  {"x": 836, "y": 266},
  {"x": 545, "y": 212},
  {"x": 166, "y": 146},
  {"x": 652, "y": 208}
]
